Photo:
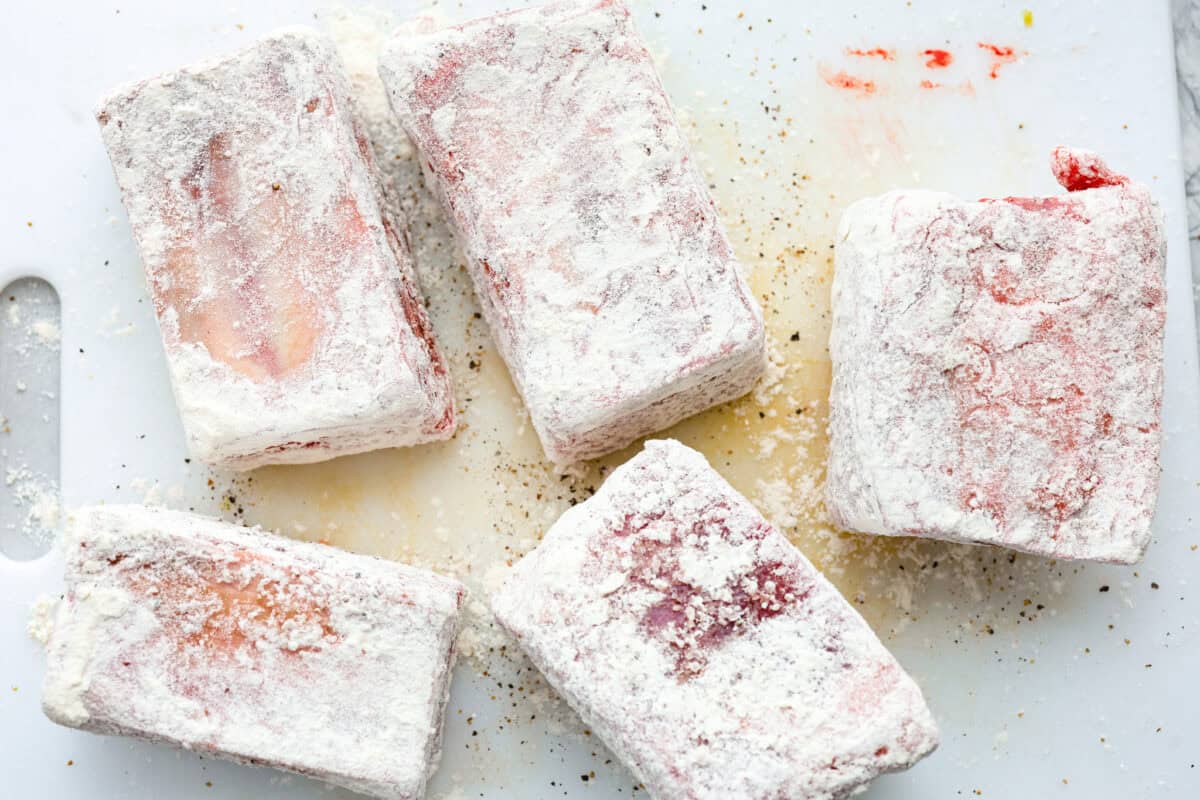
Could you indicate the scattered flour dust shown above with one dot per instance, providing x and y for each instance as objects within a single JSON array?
[
  {"x": 32, "y": 327},
  {"x": 771, "y": 384},
  {"x": 47, "y": 332},
  {"x": 30, "y": 340},
  {"x": 153, "y": 493},
  {"x": 37, "y": 500},
  {"x": 114, "y": 324},
  {"x": 41, "y": 618}
]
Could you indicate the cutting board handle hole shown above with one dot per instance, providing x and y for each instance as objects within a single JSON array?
[{"x": 30, "y": 401}]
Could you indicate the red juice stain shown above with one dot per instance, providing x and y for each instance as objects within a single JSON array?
[
  {"x": 927, "y": 84},
  {"x": 874, "y": 52},
  {"x": 1002, "y": 55},
  {"x": 1078, "y": 181},
  {"x": 843, "y": 80},
  {"x": 938, "y": 59},
  {"x": 1077, "y": 170}
]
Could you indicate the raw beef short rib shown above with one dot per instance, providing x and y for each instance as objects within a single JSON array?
[
  {"x": 252, "y": 647},
  {"x": 607, "y": 280},
  {"x": 293, "y": 326},
  {"x": 998, "y": 366},
  {"x": 704, "y": 649}
]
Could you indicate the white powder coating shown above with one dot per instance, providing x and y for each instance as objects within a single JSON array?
[
  {"x": 997, "y": 366},
  {"x": 704, "y": 649},
  {"x": 284, "y": 289},
  {"x": 606, "y": 278},
  {"x": 253, "y": 647}
]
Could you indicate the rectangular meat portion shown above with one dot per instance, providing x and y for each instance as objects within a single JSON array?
[
  {"x": 998, "y": 366},
  {"x": 253, "y": 647},
  {"x": 609, "y": 284},
  {"x": 284, "y": 289},
  {"x": 704, "y": 649}
]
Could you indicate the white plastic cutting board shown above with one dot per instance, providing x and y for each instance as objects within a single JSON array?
[{"x": 1091, "y": 697}]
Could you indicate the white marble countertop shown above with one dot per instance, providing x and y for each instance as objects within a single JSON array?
[{"x": 1187, "y": 59}]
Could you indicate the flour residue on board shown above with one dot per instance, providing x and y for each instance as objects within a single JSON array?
[
  {"x": 35, "y": 498},
  {"x": 29, "y": 384}
]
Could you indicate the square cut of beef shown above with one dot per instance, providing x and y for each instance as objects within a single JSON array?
[
  {"x": 704, "y": 649},
  {"x": 607, "y": 280},
  {"x": 284, "y": 289},
  {"x": 998, "y": 366},
  {"x": 239, "y": 644}
]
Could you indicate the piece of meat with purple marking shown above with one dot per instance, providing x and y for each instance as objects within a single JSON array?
[
  {"x": 290, "y": 315},
  {"x": 998, "y": 366},
  {"x": 605, "y": 275},
  {"x": 704, "y": 649}
]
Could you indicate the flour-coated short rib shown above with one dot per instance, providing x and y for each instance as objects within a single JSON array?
[
  {"x": 704, "y": 649},
  {"x": 239, "y": 644},
  {"x": 293, "y": 326},
  {"x": 998, "y": 366},
  {"x": 607, "y": 279}
]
